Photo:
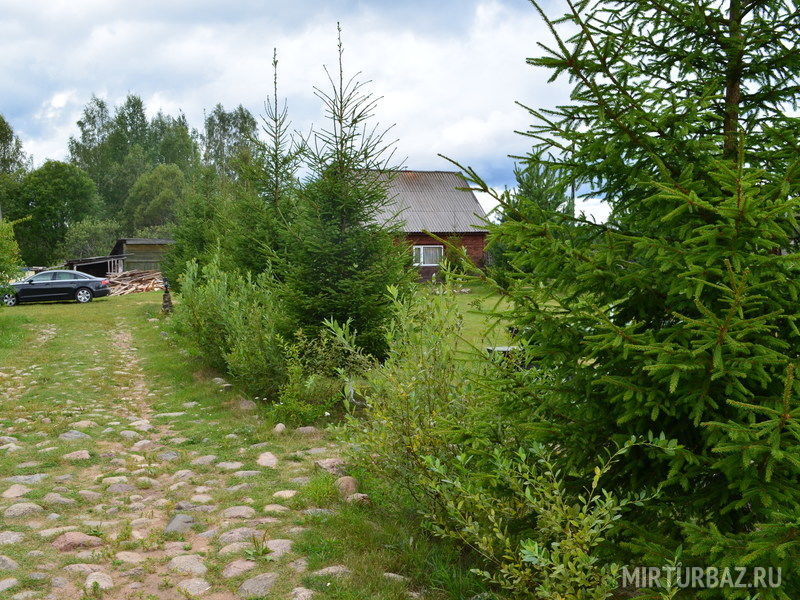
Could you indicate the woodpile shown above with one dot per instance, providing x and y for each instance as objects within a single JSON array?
[{"x": 133, "y": 282}]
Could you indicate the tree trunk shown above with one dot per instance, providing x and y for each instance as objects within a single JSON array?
[{"x": 733, "y": 80}]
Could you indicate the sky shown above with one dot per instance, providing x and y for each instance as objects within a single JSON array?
[{"x": 449, "y": 72}]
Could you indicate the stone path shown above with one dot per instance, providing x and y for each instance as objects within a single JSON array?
[{"x": 101, "y": 496}]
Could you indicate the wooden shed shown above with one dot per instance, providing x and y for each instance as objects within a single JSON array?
[
  {"x": 99, "y": 266},
  {"x": 142, "y": 254}
]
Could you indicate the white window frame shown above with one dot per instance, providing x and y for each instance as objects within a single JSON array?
[{"x": 422, "y": 248}]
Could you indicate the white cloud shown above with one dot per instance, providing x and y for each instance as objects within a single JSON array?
[
  {"x": 449, "y": 89},
  {"x": 594, "y": 208},
  {"x": 53, "y": 109}
]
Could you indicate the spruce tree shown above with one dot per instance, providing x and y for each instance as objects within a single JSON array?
[
  {"x": 269, "y": 182},
  {"x": 340, "y": 259},
  {"x": 678, "y": 318},
  {"x": 540, "y": 192}
]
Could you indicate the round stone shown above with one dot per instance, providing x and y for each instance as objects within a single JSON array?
[
  {"x": 73, "y": 435},
  {"x": 22, "y": 509},
  {"x": 130, "y": 557},
  {"x": 285, "y": 494},
  {"x": 238, "y": 567},
  {"x": 78, "y": 455},
  {"x": 10, "y": 537},
  {"x": 73, "y": 540},
  {"x": 279, "y": 547},
  {"x": 257, "y": 586},
  {"x": 238, "y": 512},
  {"x": 189, "y": 564},
  {"x": 99, "y": 580},
  {"x": 194, "y": 586},
  {"x": 16, "y": 491},
  {"x": 301, "y": 593},
  {"x": 180, "y": 524},
  {"x": 267, "y": 459},
  {"x": 241, "y": 534},
  {"x": 347, "y": 486}
]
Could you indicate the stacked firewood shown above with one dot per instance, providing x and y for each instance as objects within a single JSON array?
[{"x": 133, "y": 282}]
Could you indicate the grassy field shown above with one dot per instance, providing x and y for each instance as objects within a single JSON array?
[
  {"x": 480, "y": 329},
  {"x": 103, "y": 367}
]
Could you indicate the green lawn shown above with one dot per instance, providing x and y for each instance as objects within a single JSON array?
[{"x": 481, "y": 328}]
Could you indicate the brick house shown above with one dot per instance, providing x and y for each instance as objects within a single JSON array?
[{"x": 430, "y": 201}]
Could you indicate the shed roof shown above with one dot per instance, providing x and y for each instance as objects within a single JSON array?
[
  {"x": 94, "y": 259},
  {"x": 431, "y": 201},
  {"x": 118, "y": 246}
]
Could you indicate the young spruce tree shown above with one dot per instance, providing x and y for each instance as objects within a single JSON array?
[
  {"x": 340, "y": 259},
  {"x": 679, "y": 316}
]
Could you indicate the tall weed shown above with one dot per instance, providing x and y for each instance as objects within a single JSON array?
[
  {"x": 430, "y": 424},
  {"x": 237, "y": 324}
]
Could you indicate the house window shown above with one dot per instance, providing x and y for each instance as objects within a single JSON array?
[{"x": 428, "y": 256}]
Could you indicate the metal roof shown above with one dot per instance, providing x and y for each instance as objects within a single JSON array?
[
  {"x": 430, "y": 201},
  {"x": 146, "y": 241},
  {"x": 94, "y": 259},
  {"x": 117, "y": 249}
]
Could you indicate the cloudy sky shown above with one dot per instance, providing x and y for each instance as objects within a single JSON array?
[{"x": 449, "y": 71}]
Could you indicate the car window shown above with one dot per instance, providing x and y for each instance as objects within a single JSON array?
[
  {"x": 62, "y": 276},
  {"x": 42, "y": 277}
]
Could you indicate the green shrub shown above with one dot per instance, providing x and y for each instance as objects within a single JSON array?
[
  {"x": 316, "y": 371},
  {"x": 9, "y": 254},
  {"x": 235, "y": 324},
  {"x": 207, "y": 299},
  {"x": 431, "y": 425},
  {"x": 256, "y": 357},
  {"x": 418, "y": 397},
  {"x": 231, "y": 321},
  {"x": 533, "y": 533}
]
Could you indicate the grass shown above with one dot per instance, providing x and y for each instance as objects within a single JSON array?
[
  {"x": 381, "y": 538},
  {"x": 12, "y": 332},
  {"x": 481, "y": 328}
]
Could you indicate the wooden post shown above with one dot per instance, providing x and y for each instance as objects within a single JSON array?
[{"x": 166, "y": 302}]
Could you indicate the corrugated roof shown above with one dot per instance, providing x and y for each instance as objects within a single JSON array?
[
  {"x": 117, "y": 249},
  {"x": 160, "y": 241},
  {"x": 430, "y": 201}
]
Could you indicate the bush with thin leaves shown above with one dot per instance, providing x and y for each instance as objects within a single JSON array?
[{"x": 431, "y": 425}]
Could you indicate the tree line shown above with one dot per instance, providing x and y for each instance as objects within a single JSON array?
[{"x": 126, "y": 175}]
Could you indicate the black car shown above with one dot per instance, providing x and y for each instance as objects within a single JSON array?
[{"x": 57, "y": 285}]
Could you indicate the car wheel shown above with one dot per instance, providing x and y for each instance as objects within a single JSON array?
[
  {"x": 10, "y": 299},
  {"x": 83, "y": 295}
]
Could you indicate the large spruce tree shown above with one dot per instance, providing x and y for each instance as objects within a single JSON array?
[
  {"x": 339, "y": 259},
  {"x": 679, "y": 316}
]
